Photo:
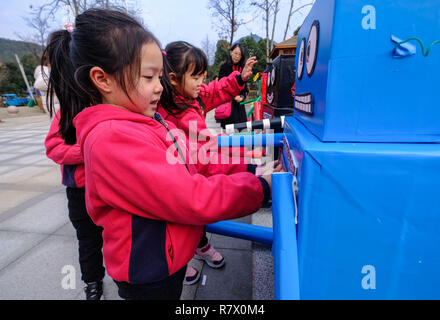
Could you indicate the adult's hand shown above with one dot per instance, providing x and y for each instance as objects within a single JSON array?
[
  {"x": 246, "y": 74},
  {"x": 239, "y": 99}
]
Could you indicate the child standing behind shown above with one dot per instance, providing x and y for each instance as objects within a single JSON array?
[
  {"x": 89, "y": 235},
  {"x": 107, "y": 75}
]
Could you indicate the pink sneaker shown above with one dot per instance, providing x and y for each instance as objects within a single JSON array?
[
  {"x": 211, "y": 256},
  {"x": 191, "y": 276}
]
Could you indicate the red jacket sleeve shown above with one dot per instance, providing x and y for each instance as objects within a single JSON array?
[
  {"x": 221, "y": 91},
  {"x": 139, "y": 179},
  {"x": 58, "y": 150},
  {"x": 203, "y": 147}
]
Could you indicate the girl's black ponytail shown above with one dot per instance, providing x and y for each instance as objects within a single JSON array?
[
  {"x": 109, "y": 39},
  {"x": 62, "y": 83},
  {"x": 167, "y": 100}
]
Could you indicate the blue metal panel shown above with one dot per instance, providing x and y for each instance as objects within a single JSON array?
[
  {"x": 368, "y": 218},
  {"x": 284, "y": 248}
]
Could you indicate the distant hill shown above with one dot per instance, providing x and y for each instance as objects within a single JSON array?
[
  {"x": 10, "y": 47},
  {"x": 252, "y": 35}
]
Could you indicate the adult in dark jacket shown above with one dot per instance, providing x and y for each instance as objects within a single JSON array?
[{"x": 236, "y": 61}]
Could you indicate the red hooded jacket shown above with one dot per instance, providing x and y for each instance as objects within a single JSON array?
[
  {"x": 69, "y": 157},
  {"x": 152, "y": 212},
  {"x": 193, "y": 125}
]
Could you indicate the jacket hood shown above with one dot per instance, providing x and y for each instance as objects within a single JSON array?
[{"x": 89, "y": 118}]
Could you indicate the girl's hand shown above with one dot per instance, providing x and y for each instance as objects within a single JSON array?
[
  {"x": 246, "y": 74},
  {"x": 271, "y": 167},
  {"x": 239, "y": 99}
]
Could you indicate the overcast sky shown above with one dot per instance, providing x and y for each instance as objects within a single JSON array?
[{"x": 169, "y": 20}]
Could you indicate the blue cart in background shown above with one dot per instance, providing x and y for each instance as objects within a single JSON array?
[{"x": 11, "y": 99}]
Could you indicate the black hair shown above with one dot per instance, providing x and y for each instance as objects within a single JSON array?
[
  {"x": 109, "y": 39},
  {"x": 243, "y": 55},
  {"x": 180, "y": 57}
]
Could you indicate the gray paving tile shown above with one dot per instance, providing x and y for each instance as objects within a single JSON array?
[
  {"x": 66, "y": 231},
  {"x": 45, "y": 216},
  {"x": 10, "y": 199},
  {"x": 232, "y": 282},
  {"x": 15, "y": 244},
  {"x": 39, "y": 274},
  {"x": 263, "y": 272}
]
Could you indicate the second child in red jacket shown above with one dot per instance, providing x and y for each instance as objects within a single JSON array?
[
  {"x": 89, "y": 235},
  {"x": 187, "y": 106}
]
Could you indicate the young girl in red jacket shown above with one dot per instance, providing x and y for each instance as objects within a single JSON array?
[
  {"x": 108, "y": 75},
  {"x": 89, "y": 235},
  {"x": 186, "y": 107}
]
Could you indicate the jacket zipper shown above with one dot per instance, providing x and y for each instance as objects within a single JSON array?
[{"x": 159, "y": 119}]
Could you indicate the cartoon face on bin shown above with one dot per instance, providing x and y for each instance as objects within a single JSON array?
[{"x": 357, "y": 81}]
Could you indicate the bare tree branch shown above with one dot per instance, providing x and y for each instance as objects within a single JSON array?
[
  {"x": 79, "y": 6},
  {"x": 275, "y": 11},
  {"x": 291, "y": 13},
  {"x": 39, "y": 23},
  {"x": 266, "y": 6},
  {"x": 209, "y": 48},
  {"x": 227, "y": 13}
]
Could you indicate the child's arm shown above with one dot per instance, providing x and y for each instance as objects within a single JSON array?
[
  {"x": 203, "y": 147},
  {"x": 227, "y": 88},
  {"x": 141, "y": 180},
  {"x": 58, "y": 150},
  {"x": 221, "y": 91}
]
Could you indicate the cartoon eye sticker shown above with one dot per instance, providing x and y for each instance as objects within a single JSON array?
[
  {"x": 269, "y": 78},
  {"x": 273, "y": 76},
  {"x": 312, "y": 48},
  {"x": 301, "y": 57}
]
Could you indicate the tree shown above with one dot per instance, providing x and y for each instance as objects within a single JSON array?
[
  {"x": 251, "y": 47},
  {"x": 13, "y": 80},
  {"x": 257, "y": 49},
  {"x": 209, "y": 48},
  {"x": 39, "y": 22},
  {"x": 270, "y": 9},
  {"x": 292, "y": 12},
  {"x": 227, "y": 13},
  {"x": 220, "y": 56},
  {"x": 276, "y": 9},
  {"x": 76, "y": 7},
  {"x": 3, "y": 72},
  {"x": 266, "y": 6}
]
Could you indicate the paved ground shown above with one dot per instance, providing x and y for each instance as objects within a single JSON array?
[{"x": 38, "y": 247}]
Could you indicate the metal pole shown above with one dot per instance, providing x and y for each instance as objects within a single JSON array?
[
  {"x": 24, "y": 78},
  {"x": 242, "y": 231},
  {"x": 248, "y": 140},
  {"x": 284, "y": 247}
]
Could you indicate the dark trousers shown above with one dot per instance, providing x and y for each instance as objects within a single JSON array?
[
  {"x": 89, "y": 236},
  {"x": 168, "y": 289},
  {"x": 204, "y": 241}
]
